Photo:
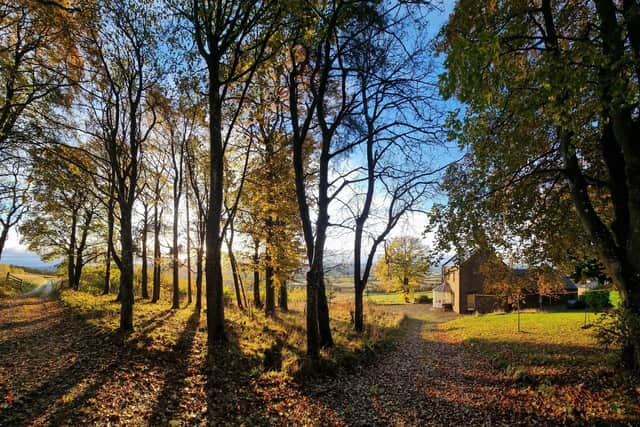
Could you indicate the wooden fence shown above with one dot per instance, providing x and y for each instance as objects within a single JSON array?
[{"x": 14, "y": 280}]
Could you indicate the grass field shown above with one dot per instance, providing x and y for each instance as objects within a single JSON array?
[
  {"x": 254, "y": 336},
  {"x": 558, "y": 362},
  {"x": 560, "y": 327}
]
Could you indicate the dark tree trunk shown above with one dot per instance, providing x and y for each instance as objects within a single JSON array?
[
  {"x": 88, "y": 216},
  {"x": 213, "y": 267},
  {"x": 110, "y": 225},
  {"x": 359, "y": 308},
  {"x": 234, "y": 272},
  {"x": 326, "y": 340},
  {"x": 189, "y": 293},
  {"x": 71, "y": 255},
  {"x": 283, "y": 299},
  {"x": 126, "y": 271},
  {"x": 269, "y": 287},
  {"x": 3, "y": 237},
  {"x": 313, "y": 332},
  {"x": 405, "y": 289},
  {"x": 156, "y": 254},
  {"x": 175, "y": 266},
  {"x": 256, "y": 274},
  {"x": 145, "y": 273},
  {"x": 78, "y": 272},
  {"x": 199, "y": 261}
]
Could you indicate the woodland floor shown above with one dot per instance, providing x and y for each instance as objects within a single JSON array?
[{"x": 56, "y": 368}]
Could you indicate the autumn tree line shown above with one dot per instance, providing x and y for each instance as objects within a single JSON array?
[
  {"x": 196, "y": 132},
  {"x": 272, "y": 123}
]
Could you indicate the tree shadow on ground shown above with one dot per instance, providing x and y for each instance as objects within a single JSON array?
[
  {"x": 178, "y": 363},
  {"x": 59, "y": 357},
  {"x": 230, "y": 374}
]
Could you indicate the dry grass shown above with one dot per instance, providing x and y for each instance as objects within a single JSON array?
[{"x": 269, "y": 344}]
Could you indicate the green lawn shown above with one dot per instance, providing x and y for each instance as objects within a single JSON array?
[
  {"x": 560, "y": 327},
  {"x": 391, "y": 298},
  {"x": 553, "y": 363}
]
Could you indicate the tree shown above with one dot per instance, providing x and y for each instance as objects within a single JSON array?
[
  {"x": 404, "y": 264},
  {"x": 62, "y": 219},
  {"x": 146, "y": 200},
  {"x": 178, "y": 123},
  {"x": 14, "y": 188},
  {"x": 157, "y": 164},
  {"x": 512, "y": 285},
  {"x": 550, "y": 92},
  {"x": 395, "y": 121},
  {"x": 317, "y": 95},
  {"x": 269, "y": 210},
  {"x": 231, "y": 38},
  {"x": 198, "y": 180},
  {"x": 121, "y": 46},
  {"x": 39, "y": 66}
]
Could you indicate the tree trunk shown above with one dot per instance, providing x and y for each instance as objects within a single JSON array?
[
  {"x": 3, "y": 237},
  {"x": 110, "y": 225},
  {"x": 156, "y": 254},
  {"x": 126, "y": 271},
  {"x": 405, "y": 288},
  {"x": 78, "y": 272},
  {"x": 313, "y": 332},
  {"x": 88, "y": 215},
  {"x": 359, "y": 309},
  {"x": 199, "y": 262},
  {"x": 631, "y": 343},
  {"x": 174, "y": 256},
  {"x": 234, "y": 272},
  {"x": 145, "y": 273},
  {"x": 326, "y": 340},
  {"x": 213, "y": 267},
  {"x": 284, "y": 299},
  {"x": 189, "y": 293},
  {"x": 256, "y": 274},
  {"x": 269, "y": 288},
  {"x": 71, "y": 255}
]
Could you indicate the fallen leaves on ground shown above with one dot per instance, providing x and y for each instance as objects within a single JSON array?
[{"x": 65, "y": 365}]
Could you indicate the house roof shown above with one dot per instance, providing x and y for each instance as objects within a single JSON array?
[
  {"x": 443, "y": 287},
  {"x": 568, "y": 284}
]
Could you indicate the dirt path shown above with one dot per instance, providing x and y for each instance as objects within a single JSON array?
[
  {"x": 422, "y": 382},
  {"x": 43, "y": 291}
]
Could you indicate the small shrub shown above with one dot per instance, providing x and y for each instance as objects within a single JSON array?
[
  {"x": 596, "y": 300},
  {"x": 424, "y": 299},
  {"x": 227, "y": 296},
  {"x": 619, "y": 328}
]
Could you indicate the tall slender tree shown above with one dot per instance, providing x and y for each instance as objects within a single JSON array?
[
  {"x": 121, "y": 47},
  {"x": 231, "y": 38}
]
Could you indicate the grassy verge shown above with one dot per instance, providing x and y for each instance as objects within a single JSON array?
[
  {"x": 267, "y": 346},
  {"x": 553, "y": 360}
]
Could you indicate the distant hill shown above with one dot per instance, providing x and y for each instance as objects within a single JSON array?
[
  {"x": 26, "y": 259},
  {"x": 27, "y": 269}
]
